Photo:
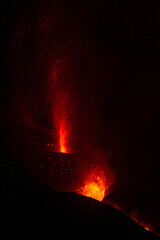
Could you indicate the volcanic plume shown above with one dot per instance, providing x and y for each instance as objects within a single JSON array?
[{"x": 64, "y": 108}]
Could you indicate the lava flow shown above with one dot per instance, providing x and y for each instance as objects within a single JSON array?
[{"x": 142, "y": 223}]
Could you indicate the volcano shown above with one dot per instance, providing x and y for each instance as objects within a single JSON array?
[
  {"x": 31, "y": 205},
  {"x": 80, "y": 116},
  {"x": 29, "y": 200}
]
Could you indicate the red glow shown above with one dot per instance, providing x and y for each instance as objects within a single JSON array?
[
  {"x": 95, "y": 185},
  {"x": 61, "y": 131},
  {"x": 94, "y": 189},
  {"x": 142, "y": 223},
  {"x": 63, "y": 137},
  {"x": 61, "y": 120},
  {"x": 63, "y": 108}
]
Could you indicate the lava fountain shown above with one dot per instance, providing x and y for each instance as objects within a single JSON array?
[
  {"x": 62, "y": 124},
  {"x": 96, "y": 181},
  {"x": 62, "y": 137},
  {"x": 64, "y": 110},
  {"x": 94, "y": 185}
]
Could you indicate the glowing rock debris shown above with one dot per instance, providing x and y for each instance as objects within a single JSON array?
[
  {"x": 95, "y": 185},
  {"x": 94, "y": 190}
]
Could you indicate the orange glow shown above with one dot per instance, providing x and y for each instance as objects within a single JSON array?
[
  {"x": 94, "y": 190},
  {"x": 95, "y": 185},
  {"x": 147, "y": 228},
  {"x": 62, "y": 138},
  {"x": 63, "y": 127},
  {"x": 64, "y": 107},
  {"x": 142, "y": 223}
]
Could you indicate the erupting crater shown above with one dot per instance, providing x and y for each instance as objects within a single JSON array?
[
  {"x": 95, "y": 182},
  {"x": 96, "y": 185}
]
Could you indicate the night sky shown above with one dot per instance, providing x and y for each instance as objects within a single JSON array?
[{"x": 107, "y": 54}]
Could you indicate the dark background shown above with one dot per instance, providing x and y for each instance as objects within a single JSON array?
[{"x": 113, "y": 52}]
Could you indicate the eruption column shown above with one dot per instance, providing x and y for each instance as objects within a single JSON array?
[{"x": 62, "y": 137}]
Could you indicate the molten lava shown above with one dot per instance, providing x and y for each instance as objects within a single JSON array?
[
  {"x": 63, "y": 109},
  {"x": 95, "y": 185},
  {"x": 94, "y": 189},
  {"x": 148, "y": 227},
  {"x": 63, "y": 137}
]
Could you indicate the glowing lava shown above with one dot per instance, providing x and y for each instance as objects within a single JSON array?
[
  {"x": 142, "y": 223},
  {"x": 95, "y": 185},
  {"x": 94, "y": 189},
  {"x": 63, "y": 109},
  {"x": 61, "y": 118},
  {"x": 63, "y": 137}
]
